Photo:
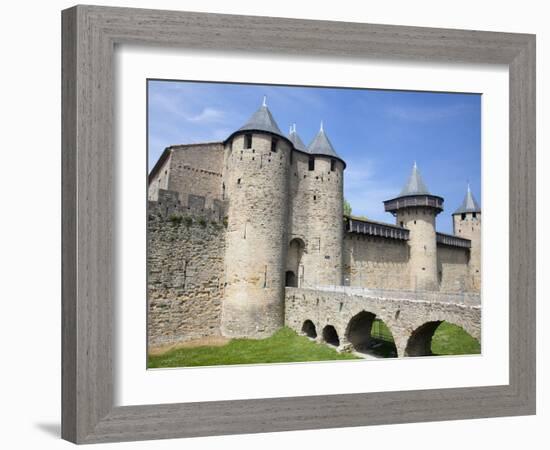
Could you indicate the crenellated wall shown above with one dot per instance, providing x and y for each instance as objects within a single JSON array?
[
  {"x": 190, "y": 170},
  {"x": 185, "y": 275},
  {"x": 229, "y": 227}
]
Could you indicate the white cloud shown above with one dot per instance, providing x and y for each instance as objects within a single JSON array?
[
  {"x": 207, "y": 115},
  {"x": 365, "y": 192}
]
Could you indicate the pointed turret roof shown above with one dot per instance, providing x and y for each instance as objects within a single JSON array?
[
  {"x": 415, "y": 185},
  {"x": 295, "y": 139},
  {"x": 262, "y": 120},
  {"x": 321, "y": 145},
  {"x": 469, "y": 204}
]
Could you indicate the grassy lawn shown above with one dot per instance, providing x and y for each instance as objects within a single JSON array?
[
  {"x": 283, "y": 346},
  {"x": 450, "y": 339},
  {"x": 287, "y": 346}
]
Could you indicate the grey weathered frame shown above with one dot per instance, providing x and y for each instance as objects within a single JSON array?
[{"x": 89, "y": 36}]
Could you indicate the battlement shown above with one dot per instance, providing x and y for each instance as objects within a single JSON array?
[
  {"x": 373, "y": 228},
  {"x": 169, "y": 205},
  {"x": 452, "y": 240}
]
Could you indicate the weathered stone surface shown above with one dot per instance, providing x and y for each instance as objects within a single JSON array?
[
  {"x": 256, "y": 183},
  {"x": 412, "y": 321},
  {"x": 185, "y": 277},
  {"x": 376, "y": 262},
  {"x": 283, "y": 216},
  {"x": 316, "y": 218},
  {"x": 469, "y": 227}
]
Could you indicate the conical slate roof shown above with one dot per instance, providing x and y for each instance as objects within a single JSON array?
[
  {"x": 469, "y": 204},
  {"x": 321, "y": 145},
  {"x": 295, "y": 139},
  {"x": 262, "y": 120},
  {"x": 415, "y": 185}
]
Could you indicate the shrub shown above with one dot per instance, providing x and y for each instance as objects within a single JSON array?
[{"x": 175, "y": 219}]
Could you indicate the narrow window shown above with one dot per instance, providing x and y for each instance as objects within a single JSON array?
[
  {"x": 463, "y": 216},
  {"x": 239, "y": 181},
  {"x": 274, "y": 142},
  {"x": 474, "y": 215},
  {"x": 332, "y": 165},
  {"x": 311, "y": 163},
  {"x": 248, "y": 141},
  {"x": 314, "y": 197},
  {"x": 401, "y": 224}
]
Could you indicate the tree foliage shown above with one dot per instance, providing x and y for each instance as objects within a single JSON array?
[{"x": 347, "y": 208}]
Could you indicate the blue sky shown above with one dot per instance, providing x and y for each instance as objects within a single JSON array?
[{"x": 378, "y": 133}]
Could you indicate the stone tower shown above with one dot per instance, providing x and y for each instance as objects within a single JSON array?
[
  {"x": 255, "y": 185},
  {"x": 323, "y": 199},
  {"x": 416, "y": 209},
  {"x": 467, "y": 224}
]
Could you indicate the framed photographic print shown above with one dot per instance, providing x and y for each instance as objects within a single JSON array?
[{"x": 267, "y": 230}]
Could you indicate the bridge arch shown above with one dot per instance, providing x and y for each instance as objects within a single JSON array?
[
  {"x": 419, "y": 342},
  {"x": 330, "y": 336},
  {"x": 369, "y": 333},
  {"x": 308, "y": 328}
]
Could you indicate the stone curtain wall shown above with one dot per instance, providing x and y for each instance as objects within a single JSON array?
[
  {"x": 185, "y": 257},
  {"x": 376, "y": 262},
  {"x": 197, "y": 169},
  {"x": 406, "y": 318},
  {"x": 453, "y": 270}
]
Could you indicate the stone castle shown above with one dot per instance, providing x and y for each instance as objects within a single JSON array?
[{"x": 234, "y": 226}]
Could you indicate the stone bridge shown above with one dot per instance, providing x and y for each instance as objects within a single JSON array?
[{"x": 343, "y": 316}]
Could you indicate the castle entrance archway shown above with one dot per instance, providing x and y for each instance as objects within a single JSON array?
[
  {"x": 294, "y": 269},
  {"x": 290, "y": 279}
]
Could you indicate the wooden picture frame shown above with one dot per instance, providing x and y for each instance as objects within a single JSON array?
[{"x": 90, "y": 34}]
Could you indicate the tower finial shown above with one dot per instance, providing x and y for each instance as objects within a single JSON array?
[
  {"x": 414, "y": 164},
  {"x": 321, "y": 128},
  {"x": 469, "y": 186},
  {"x": 264, "y": 102},
  {"x": 291, "y": 128}
]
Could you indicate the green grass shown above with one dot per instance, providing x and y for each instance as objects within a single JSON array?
[
  {"x": 283, "y": 346},
  {"x": 287, "y": 346},
  {"x": 450, "y": 339}
]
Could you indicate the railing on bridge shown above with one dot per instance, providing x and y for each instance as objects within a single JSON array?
[{"x": 466, "y": 298}]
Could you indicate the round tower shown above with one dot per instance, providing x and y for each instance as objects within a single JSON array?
[
  {"x": 257, "y": 161},
  {"x": 416, "y": 209},
  {"x": 467, "y": 224},
  {"x": 323, "y": 199}
]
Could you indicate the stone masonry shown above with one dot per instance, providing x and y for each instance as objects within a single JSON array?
[
  {"x": 412, "y": 318},
  {"x": 185, "y": 261},
  {"x": 232, "y": 224}
]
